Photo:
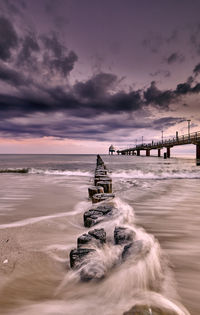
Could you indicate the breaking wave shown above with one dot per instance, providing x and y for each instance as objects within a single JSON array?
[
  {"x": 159, "y": 175},
  {"x": 46, "y": 171}
]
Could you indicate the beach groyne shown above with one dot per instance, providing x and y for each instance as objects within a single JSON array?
[{"x": 110, "y": 242}]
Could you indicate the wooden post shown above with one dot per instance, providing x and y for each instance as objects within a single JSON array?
[
  {"x": 138, "y": 152},
  {"x": 168, "y": 152},
  {"x": 158, "y": 152},
  {"x": 147, "y": 152},
  {"x": 198, "y": 154}
]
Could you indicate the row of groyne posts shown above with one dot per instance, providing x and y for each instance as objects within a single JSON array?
[{"x": 87, "y": 259}]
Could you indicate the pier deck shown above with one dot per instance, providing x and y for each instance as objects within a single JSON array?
[{"x": 192, "y": 138}]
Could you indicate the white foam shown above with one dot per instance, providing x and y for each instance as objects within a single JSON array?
[
  {"x": 60, "y": 172},
  {"x": 172, "y": 174}
]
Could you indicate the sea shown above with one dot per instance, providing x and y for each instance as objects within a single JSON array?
[{"x": 42, "y": 202}]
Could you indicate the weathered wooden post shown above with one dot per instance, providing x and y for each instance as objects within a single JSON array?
[
  {"x": 198, "y": 154},
  {"x": 138, "y": 152},
  {"x": 168, "y": 152},
  {"x": 158, "y": 152},
  {"x": 147, "y": 152}
]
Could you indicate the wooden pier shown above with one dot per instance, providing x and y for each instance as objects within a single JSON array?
[{"x": 192, "y": 138}]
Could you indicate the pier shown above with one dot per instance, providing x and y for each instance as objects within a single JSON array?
[{"x": 190, "y": 138}]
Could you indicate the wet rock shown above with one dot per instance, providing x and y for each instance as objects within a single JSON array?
[
  {"x": 107, "y": 186},
  {"x": 123, "y": 235},
  {"x": 149, "y": 310},
  {"x": 98, "y": 234},
  {"x": 134, "y": 248},
  {"x": 95, "y": 190},
  {"x": 77, "y": 256},
  {"x": 101, "y": 197},
  {"x": 94, "y": 270}
]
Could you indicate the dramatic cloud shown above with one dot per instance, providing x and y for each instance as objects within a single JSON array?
[
  {"x": 29, "y": 46},
  {"x": 8, "y": 38},
  {"x": 44, "y": 93},
  {"x": 159, "y": 98},
  {"x": 197, "y": 69},
  {"x": 12, "y": 77}
]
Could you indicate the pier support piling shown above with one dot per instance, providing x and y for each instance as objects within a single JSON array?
[
  {"x": 158, "y": 152},
  {"x": 198, "y": 154},
  {"x": 138, "y": 152},
  {"x": 147, "y": 152},
  {"x": 168, "y": 152}
]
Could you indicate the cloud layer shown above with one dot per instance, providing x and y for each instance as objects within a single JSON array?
[{"x": 39, "y": 98}]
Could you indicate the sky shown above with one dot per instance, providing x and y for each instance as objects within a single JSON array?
[{"x": 79, "y": 75}]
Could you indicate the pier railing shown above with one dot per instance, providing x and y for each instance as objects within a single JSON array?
[{"x": 192, "y": 138}]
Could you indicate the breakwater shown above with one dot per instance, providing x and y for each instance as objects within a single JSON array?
[{"x": 112, "y": 242}]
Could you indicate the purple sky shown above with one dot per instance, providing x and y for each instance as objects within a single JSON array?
[{"x": 78, "y": 75}]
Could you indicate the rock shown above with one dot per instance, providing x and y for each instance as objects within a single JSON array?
[
  {"x": 77, "y": 256},
  {"x": 94, "y": 270},
  {"x": 101, "y": 197},
  {"x": 123, "y": 235},
  {"x": 133, "y": 248},
  {"x": 98, "y": 234},
  {"x": 107, "y": 186},
  {"x": 95, "y": 190},
  {"x": 149, "y": 310}
]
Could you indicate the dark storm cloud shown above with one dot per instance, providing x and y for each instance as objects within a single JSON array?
[
  {"x": 12, "y": 77},
  {"x": 29, "y": 46},
  {"x": 8, "y": 38},
  {"x": 76, "y": 128},
  {"x": 197, "y": 69},
  {"x": 38, "y": 68},
  {"x": 63, "y": 65},
  {"x": 166, "y": 122},
  {"x": 55, "y": 56},
  {"x": 157, "y": 97},
  {"x": 96, "y": 87},
  {"x": 52, "y": 44},
  {"x": 174, "y": 58}
]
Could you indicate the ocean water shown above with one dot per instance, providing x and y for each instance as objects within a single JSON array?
[{"x": 42, "y": 201}]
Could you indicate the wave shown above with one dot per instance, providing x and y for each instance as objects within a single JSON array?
[
  {"x": 59, "y": 172},
  {"x": 159, "y": 175},
  {"x": 46, "y": 171}
]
